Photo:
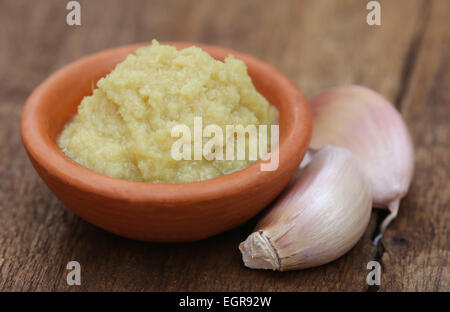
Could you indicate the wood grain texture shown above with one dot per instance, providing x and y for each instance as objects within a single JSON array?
[
  {"x": 417, "y": 246},
  {"x": 319, "y": 44}
]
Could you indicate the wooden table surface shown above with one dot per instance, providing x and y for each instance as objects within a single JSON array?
[{"x": 319, "y": 44}]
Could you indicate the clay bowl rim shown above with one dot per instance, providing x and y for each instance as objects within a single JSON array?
[{"x": 46, "y": 153}]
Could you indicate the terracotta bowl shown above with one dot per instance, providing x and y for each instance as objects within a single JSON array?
[{"x": 159, "y": 212}]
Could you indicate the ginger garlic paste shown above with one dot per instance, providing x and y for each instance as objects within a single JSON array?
[{"x": 123, "y": 130}]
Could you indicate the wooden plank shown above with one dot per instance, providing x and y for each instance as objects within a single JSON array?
[
  {"x": 416, "y": 253},
  {"x": 317, "y": 43}
]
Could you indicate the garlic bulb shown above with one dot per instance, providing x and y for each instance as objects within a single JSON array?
[
  {"x": 320, "y": 216},
  {"x": 364, "y": 122}
]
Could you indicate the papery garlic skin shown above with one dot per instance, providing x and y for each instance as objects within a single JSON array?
[
  {"x": 367, "y": 124},
  {"x": 317, "y": 219}
]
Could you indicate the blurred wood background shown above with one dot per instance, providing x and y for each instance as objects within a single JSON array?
[{"x": 319, "y": 44}]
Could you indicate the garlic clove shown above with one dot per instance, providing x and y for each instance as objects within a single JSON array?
[
  {"x": 367, "y": 124},
  {"x": 320, "y": 216}
]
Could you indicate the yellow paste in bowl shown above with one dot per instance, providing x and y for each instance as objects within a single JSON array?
[{"x": 123, "y": 129}]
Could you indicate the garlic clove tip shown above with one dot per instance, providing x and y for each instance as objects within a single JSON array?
[{"x": 258, "y": 252}]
